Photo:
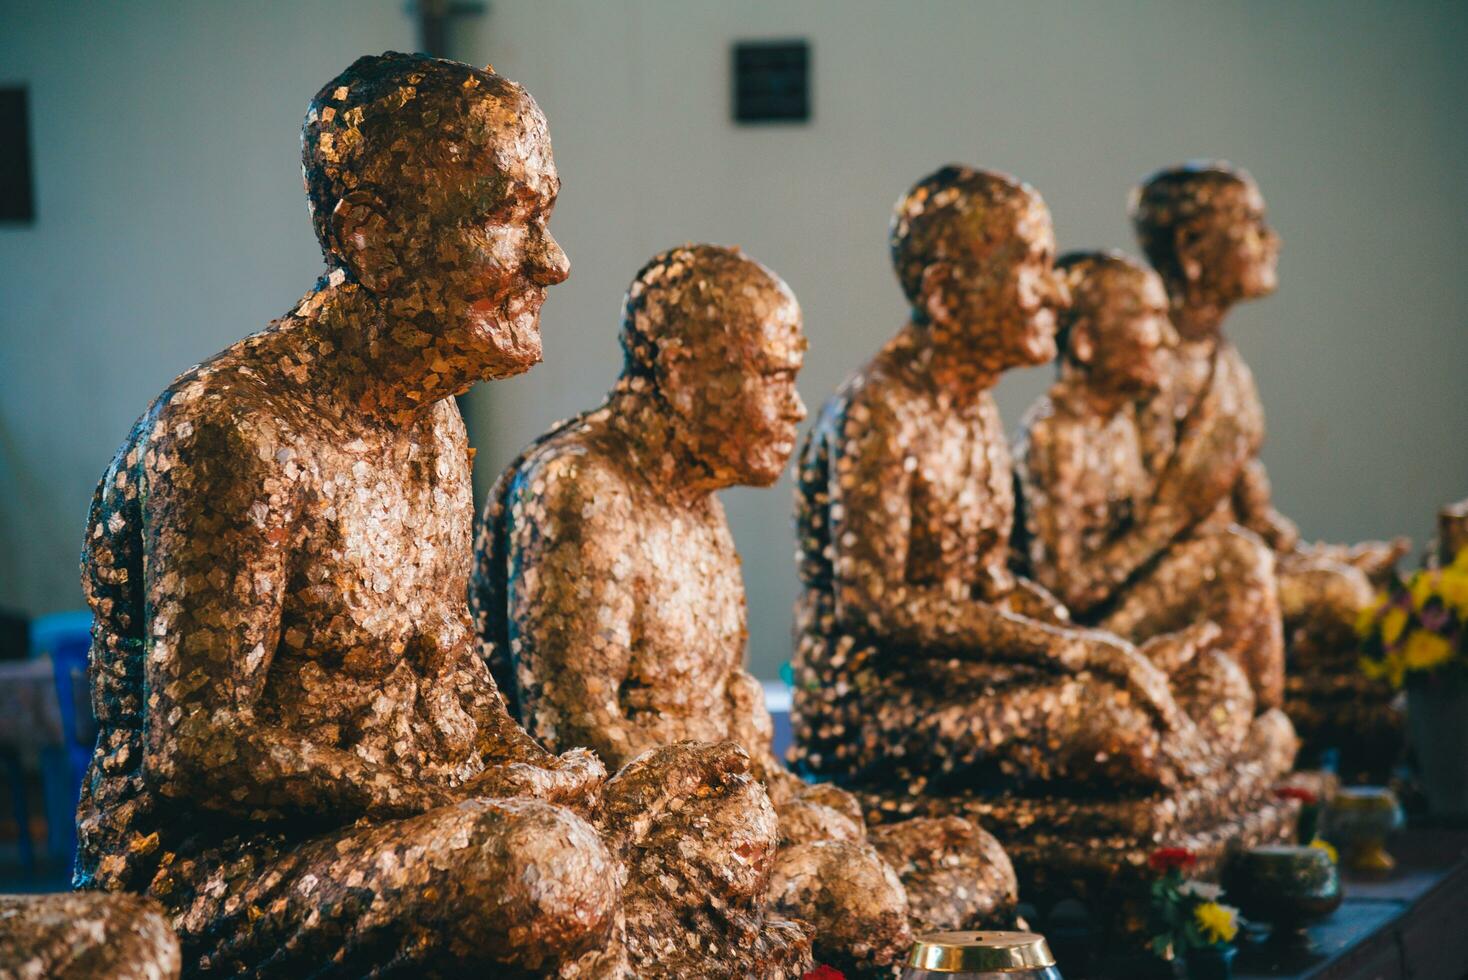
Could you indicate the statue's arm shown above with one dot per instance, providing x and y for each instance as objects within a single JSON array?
[
  {"x": 1054, "y": 469},
  {"x": 1220, "y": 437},
  {"x": 572, "y": 602},
  {"x": 219, "y": 526},
  {"x": 1254, "y": 509},
  {"x": 871, "y": 530}
]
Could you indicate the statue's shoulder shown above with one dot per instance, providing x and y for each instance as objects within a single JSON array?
[
  {"x": 573, "y": 464},
  {"x": 225, "y": 418},
  {"x": 876, "y": 391}
]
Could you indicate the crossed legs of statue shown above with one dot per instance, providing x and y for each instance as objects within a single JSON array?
[
  {"x": 1319, "y": 600},
  {"x": 85, "y": 936},
  {"x": 1226, "y": 576},
  {"x": 451, "y": 890},
  {"x": 958, "y": 720},
  {"x": 506, "y": 887}
]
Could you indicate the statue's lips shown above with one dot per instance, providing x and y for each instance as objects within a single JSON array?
[{"x": 493, "y": 314}]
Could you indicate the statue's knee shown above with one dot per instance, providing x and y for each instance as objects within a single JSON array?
[
  {"x": 852, "y": 898},
  {"x": 1244, "y": 554},
  {"x": 546, "y": 880}
]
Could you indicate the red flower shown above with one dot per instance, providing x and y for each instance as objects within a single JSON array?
[
  {"x": 1300, "y": 793},
  {"x": 823, "y": 972},
  {"x": 1169, "y": 858}
]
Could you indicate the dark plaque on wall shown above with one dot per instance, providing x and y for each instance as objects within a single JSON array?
[
  {"x": 17, "y": 200},
  {"x": 771, "y": 81}
]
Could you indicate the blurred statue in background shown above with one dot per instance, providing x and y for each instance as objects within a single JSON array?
[
  {"x": 301, "y": 755},
  {"x": 1111, "y": 540},
  {"x": 1202, "y": 227},
  {"x": 80, "y": 936},
  {"x": 930, "y": 677},
  {"x": 609, "y": 596}
]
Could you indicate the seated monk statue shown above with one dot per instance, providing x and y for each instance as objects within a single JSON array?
[
  {"x": 301, "y": 755},
  {"x": 932, "y": 679},
  {"x": 1110, "y": 540},
  {"x": 1202, "y": 226},
  {"x": 86, "y": 936},
  {"x": 609, "y": 598}
]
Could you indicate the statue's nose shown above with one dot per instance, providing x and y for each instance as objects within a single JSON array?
[{"x": 548, "y": 263}]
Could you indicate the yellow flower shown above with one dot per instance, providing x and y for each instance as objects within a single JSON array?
[
  {"x": 1218, "y": 923},
  {"x": 1453, "y": 588},
  {"x": 1423, "y": 586},
  {"x": 1366, "y": 617},
  {"x": 1392, "y": 668},
  {"x": 1324, "y": 845},
  {"x": 1392, "y": 625},
  {"x": 1425, "y": 650}
]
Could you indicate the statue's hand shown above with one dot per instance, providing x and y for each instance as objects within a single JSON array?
[
  {"x": 1172, "y": 651},
  {"x": 1377, "y": 558},
  {"x": 1037, "y": 602},
  {"x": 573, "y": 779},
  {"x": 1116, "y": 659}
]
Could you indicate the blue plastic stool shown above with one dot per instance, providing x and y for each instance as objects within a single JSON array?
[{"x": 67, "y": 637}]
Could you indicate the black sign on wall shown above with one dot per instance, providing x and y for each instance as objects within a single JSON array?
[
  {"x": 17, "y": 197},
  {"x": 772, "y": 81}
]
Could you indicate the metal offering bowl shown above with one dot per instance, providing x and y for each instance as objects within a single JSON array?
[
  {"x": 1289, "y": 887},
  {"x": 1358, "y": 821}
]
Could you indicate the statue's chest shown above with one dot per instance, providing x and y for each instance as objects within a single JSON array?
[
  {"x": 961, "y": 497},
  {"x": 387, "y": 542},
  {"x": 691, "y": 607},
  {"x": 1111, "y": 481}
]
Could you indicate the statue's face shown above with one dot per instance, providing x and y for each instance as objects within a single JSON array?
[
  {"x": 733, "y": 386},
  {"x": 1128, "y": 332},
  {"x": 466, "y": 255},
  {"x": 1002, "y": 299},
  {"x": 1228, "y": 249},
  {"x": 496, "y": 257}
]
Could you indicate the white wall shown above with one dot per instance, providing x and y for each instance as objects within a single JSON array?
[{"x": 172, "y": 220}]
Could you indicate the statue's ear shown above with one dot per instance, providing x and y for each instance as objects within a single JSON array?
[
  {"x": 1082, "y": 343},
  {"x": 933, "y": 293},
  {"x": 362, "y": 240},
  {"x": 673, "y": 371},
  {"x": 1185, "y": 246}
]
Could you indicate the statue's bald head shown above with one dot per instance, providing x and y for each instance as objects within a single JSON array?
[
  {"x": 1116, "y": 327},
  {"x": 976, "y": 218},
  {"x": 431, "y": 184},
  {"x": 405, "y": 127},
  {"x": 695, "y": 300},
  {"x": 717, "y": 337},
  {"x": 1191, "y": 221}
]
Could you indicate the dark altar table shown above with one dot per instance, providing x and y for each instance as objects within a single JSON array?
[{"x": 1411, "y": 925}]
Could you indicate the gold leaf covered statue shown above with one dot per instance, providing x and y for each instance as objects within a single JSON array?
[
  {"x": 301, "y": 755},
  {"x": 1114, "y": 542},
  {"x": 1203, "y": 228},
  {"x": 85, "y": 936},
  {"x": 609, "y": 596},
  {"x": 931, "y": 677}
]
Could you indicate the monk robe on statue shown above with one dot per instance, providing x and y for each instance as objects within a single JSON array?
[
  {"x": 1113, "y": 542},
  {"x": 1202, "y": 227},
  {"x": 929, "y": 676},
  {"x": 301, "y": 755},
  {"x": 609, "y": 596}
]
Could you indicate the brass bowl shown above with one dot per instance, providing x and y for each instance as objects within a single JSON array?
[
  {"x": 1358, "y": 821},
  {"x": 1287, "y": 886},
  {"x": 980, "y": 955}
]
